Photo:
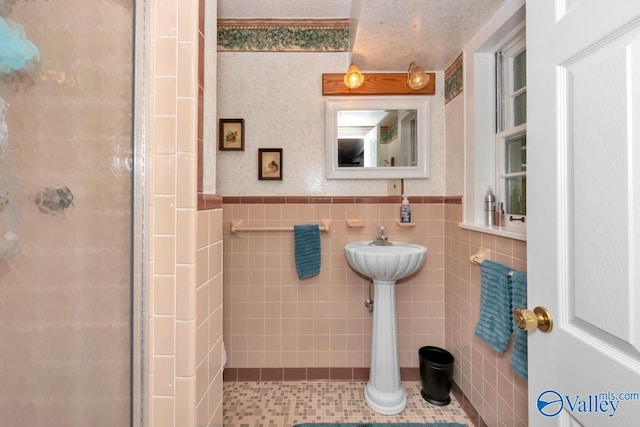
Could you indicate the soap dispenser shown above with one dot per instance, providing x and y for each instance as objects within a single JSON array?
[{"x": 405, "y": 210}]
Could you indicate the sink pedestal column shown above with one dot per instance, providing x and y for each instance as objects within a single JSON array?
[{"x": 384, "y": 392}]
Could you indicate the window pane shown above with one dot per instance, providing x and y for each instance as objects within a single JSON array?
[
  {"x": 516, "y": 154},
  {"x": 520, "y": 71},
  {"x": 516, "y": 190},
  {"x": 520, "y": 109}
]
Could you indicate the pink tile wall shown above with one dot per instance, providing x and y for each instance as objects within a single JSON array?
[
  {"x": 272, "y": 319},
  {"x": 171, "y": 384},
  {"x": 208, "y": 333},
  {"x": 485, "y": 377}
]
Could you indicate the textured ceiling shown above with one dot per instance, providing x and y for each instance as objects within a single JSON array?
[
  {"x": 386, "y": 34},
  {"x": 272, "y": 9}
]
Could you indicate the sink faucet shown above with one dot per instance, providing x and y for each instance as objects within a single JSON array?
[{"x": 381, "y": 238}]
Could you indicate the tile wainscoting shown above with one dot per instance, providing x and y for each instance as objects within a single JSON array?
[{"x": 273, "y": 319}]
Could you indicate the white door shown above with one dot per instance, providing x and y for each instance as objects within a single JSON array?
[{"x": 583, "y": 126}]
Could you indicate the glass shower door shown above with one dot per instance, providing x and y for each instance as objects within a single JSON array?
[{"x": 66, "y": 85}]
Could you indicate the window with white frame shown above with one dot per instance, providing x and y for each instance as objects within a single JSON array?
[
  {"x": 511, "y": 130},
  {"x": 495, "y": 121}
]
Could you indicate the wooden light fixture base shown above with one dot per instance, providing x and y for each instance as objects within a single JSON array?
[{"x": 376, "y": 84}]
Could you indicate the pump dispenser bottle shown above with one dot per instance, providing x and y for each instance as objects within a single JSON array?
[
  {"x": 489, "y": 207},
  {"x": 405, "y": 210}
]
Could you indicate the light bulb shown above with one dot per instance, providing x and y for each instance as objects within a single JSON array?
[
  {"x": 416, "y": 77},
  {"x": 353, "y": 78}
]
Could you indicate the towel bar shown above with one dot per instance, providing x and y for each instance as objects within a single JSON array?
[
  {"x": 481, "y": 255},
  {"x": 325, "y": 226}
]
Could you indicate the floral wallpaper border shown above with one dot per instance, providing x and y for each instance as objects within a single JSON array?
[
  {"x": 283, "y": 35},
  {"x": 453, "y": 80}
]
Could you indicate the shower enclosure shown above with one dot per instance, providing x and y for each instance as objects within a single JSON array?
[{"x": 70, "y": 200}]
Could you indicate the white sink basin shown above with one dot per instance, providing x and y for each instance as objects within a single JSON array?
[{"x": 385, "y": 263}]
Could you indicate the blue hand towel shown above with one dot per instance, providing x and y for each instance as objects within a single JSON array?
[
  {"x": 307, "y": 249},
  {"x": 494, "y": 324},
  {"x": 519, "y": 300}
]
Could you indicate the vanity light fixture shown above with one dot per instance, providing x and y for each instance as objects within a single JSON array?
[
  {"x": 353, "y": 78},
  {"x": 417, "y": 78}
]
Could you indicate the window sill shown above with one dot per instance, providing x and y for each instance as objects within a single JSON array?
[{"x": 496, "y": 231}]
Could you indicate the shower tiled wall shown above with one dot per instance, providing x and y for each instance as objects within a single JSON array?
[
  {"x": 173, "y": 384},
  {"x": 484, "y": 376},
  {"x": 272, "y": 319}
]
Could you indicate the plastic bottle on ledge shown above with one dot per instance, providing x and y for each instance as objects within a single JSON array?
[{"x": 405, "y": 210}]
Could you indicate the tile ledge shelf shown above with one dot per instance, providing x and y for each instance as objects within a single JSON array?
[{"x": 405, "y": 224}]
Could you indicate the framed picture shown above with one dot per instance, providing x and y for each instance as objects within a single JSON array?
[
  {"x": 231, "y": 135},
  {"x": 270, "y": 164}
]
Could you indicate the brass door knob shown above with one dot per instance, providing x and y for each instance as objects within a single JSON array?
[{"x": 528, "y": 320}]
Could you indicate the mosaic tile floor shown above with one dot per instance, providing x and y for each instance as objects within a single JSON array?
[{"x": 283, "y": 404}]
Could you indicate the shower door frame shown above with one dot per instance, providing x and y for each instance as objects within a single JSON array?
[{"x": 138, "y": 203}]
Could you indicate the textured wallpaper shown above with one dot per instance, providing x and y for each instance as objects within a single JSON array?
[{"x": 279, "y": 97}]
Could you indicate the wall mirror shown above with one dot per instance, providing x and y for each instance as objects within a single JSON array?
[{"x": 377, "y": 137}]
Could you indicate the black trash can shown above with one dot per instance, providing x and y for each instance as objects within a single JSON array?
[{"x": 436, "y": 375}]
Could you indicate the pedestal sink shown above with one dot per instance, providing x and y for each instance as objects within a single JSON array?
[{"x": 385, "y": 264}]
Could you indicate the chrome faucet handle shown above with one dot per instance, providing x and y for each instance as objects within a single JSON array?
[{"x": 381, "y": 238}]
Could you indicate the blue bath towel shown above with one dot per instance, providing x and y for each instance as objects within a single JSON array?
[
  {"x": 307, "y": 250},
  {"x": 494, "y": 324},
  {"x": 519, "y": 300}
]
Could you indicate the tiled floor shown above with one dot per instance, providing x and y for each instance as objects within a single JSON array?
[{"x": 283, "y": 404}]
